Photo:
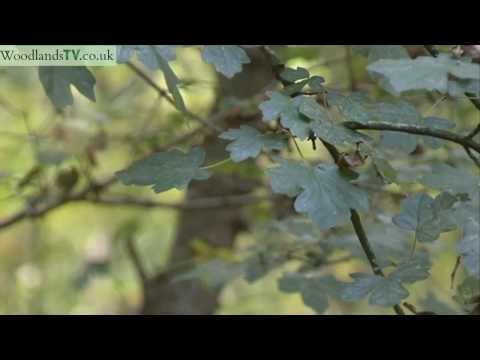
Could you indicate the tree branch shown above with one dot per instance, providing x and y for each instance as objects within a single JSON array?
[
  {"x": 360, "y": 231},
  {"x": 417, "y": 130},
  {"x": 86, "y": 196},
  {"x": 35, "y": 212},
  {"x": 196, "y": 204}
]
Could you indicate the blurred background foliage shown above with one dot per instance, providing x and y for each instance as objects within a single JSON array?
[{"x": 73, "y": 261}]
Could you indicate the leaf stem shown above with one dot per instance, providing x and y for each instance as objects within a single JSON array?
[
  {"x": 217, "y": 164},
  {"x": 296, "y": 145}
]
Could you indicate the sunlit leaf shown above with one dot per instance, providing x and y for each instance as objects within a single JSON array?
[{"x": 320, "y": 191}]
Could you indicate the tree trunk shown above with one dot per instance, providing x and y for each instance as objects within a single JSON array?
[{"x": 215, "y": 227}]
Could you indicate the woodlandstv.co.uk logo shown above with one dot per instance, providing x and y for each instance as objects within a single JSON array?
[{"x": 57, "y": 55}]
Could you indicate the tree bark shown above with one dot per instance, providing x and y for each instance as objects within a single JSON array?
[{"x": 215, "y": 227}]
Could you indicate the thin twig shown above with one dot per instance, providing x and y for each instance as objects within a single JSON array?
[
  {"x": 137, "y": 262},
  {"x": 471, "y": 156},
  {"x": 474, "y": 132},
  {"x": 454, "y": 271},
  {"x": 432, "y": 50},
  {"x": 163, "y": 93},
  {"x": 360, "y": 231}
]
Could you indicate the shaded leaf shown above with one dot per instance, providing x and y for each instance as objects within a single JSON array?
[
  {"x": 56, "y": 82},
  {"x": 293, "y": 75},
  {"x": 386, "y": 291},
  {"x": 377, "y": 52},
  {"x": 325, "y": 128},
  {"x": 413, "y": 270},
  {"x": 427, "y": 217},
  {"x": 469, "y": 246},
  {"x": 171, "y": 80},
  {"x": 248, "y": 142},
  {"x": 214, "y": 273},
  {"x": 388, "y": 242},
  {"x": 166, "y": 170},
  {"x": 357, "y": 107},
  {"x": 146, "y": 54},
  {"x": 422, "y": 73},
  {"x": 363, "y": 284},
  {"x": 314, "y": 290},
  {"x": 155, "y": 57},
  {"x": 280, "y": 105},
  {"x": 397, "y": 113},
  {"x": 316, "y": 83},
  {"x": 445, "y": 177},
  {"x": 436, "y": 123},
  {"x": 227, "y": 59},
  {"x": 432, "y": 303}
]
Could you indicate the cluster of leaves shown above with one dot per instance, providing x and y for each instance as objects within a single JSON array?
[
  {"x": 57, "y": 82},
  {"x": 324, "y": 192}
]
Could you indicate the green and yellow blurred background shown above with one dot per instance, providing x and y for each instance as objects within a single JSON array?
[{"x": 72, "y": 261}]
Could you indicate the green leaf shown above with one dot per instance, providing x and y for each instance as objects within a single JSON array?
[
  {"x": 171, "y": 80},
  {"x": 422, "y": 73},
  {"x": 469, "y": 246},
  {"x": 436, "y": 123},
  {"x": 303, "y": 114},
  {"x": 146, "y": 54},
  {"x": 56, "y": 82},
  {"x": 459, "y": 87},
  {"x": 357, "y": 107},
  {"x": 316, "y": 83},
  {"x": 155, "y": 57},
  {"x": 388, "y": 242},
  {"x": 214, "y": 273},
  {"x": 314, "y": 290},
  {"x": 227, "y": 59},
  {"x": 432, "y": 303},
  {"x": 363, "y": 284},
  {"x": 275, "y": 106},
  {"x": 387, "y": 291},
  {"x": 293, "y": 75},
  {"x": 294, "y": 88},
  {"x": 467, "y": 290},
  {"x": 426, "y": 217},
  {"x": 322, "y": 192},
  {"x": 325, "y": 128},
  {"x": 397, "y": 113},
  {"x": 166, "y": 170},
  {"x": 413, "y": 270},
  {"x": 300, "y": 227},
  {"x": 261, "y": 263},
  {"x": 280, "y": 105},
  {"x": 383, "y": 292},
  {"x": 248, "y": 142},
  {"x": 445, "y": 177},
  {"x": 377, "y": 52},
  {"x": 384, "y": 169}
]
